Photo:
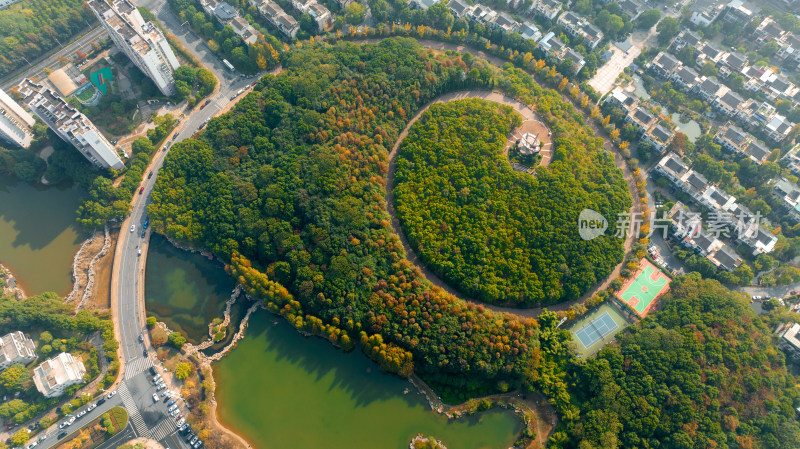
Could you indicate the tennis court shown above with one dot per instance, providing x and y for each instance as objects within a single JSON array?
[
  {"x": 597, "y": 328},
  {"x": 641, "y": 291}
]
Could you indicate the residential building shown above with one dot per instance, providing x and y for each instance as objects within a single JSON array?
[
  {"x": 577, "y": 26},
  {"x": 727, "y": 101},
  {"x": 734, "y": 62},
  {"x": 278, "y": 18},
  {"x": 622, "y": 99},
  {"x": 224, "y": 12},
  {"x": 529, "y": 31},
  {"x": 69, "y": 124},
  {"x": 768, "y": 30},
  {"x": 482, "y": 14},
  {"x": 16, "y": 125},
  {"x": 321, "y": 15},
  {"x": 684, "y": 38},
  {"x": 57, "y": 374},
  {"x": 672, "y": 167},
  {"x": 659, "y": 137},
  {"x": 550, "y": 43},
  {"x": 244, "y": 30},
  {"x": 778, "y": 128},
  {"x": 641, "y": 118},
  {"x": 707, "y": 53},
  {"x": 706, "y": 15},
  {"x": 789, "y": 195},
  {"x": 631, "y": 8},
  {"x": 725, "y": 257},
  {"x": 707, "y": 87},
  {"x": 755, "y": 113},
  {"x": 547, "y": 8},
  {"x": 504, "y": 22},
  {"x": 16, "y": 348},
  {"x": 736, "y": 12},
  {"x": 732, "y": 138},
  {"x": 789, "y": 47},
  {"x": 685, "y": 77},
  {"x": 788, "y": 340},
  {"x": 664, "y": 64},
  {"x": 792, "y": 160},
  {"x": 459, "y": 8},
  {"x": 142, "y": 42},
  {"x": 577, "y": 59}
]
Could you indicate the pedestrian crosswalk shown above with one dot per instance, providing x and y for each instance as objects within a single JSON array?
[
  {"x": 162, "y": 429},
  {"x": 136, "y": 366},
  {"x": 133, "y": 411}
]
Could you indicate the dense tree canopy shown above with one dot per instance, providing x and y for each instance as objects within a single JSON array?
[
  {"x": 702, "y": 372},
  {"x": 496, "y": 234},
  {"x": 32, "y": 27}
]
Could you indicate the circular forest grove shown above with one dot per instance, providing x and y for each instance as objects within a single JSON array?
[{"x": 501, "y": 236}]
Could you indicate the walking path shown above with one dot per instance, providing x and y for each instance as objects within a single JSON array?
[{"x": 519, "y": 107}]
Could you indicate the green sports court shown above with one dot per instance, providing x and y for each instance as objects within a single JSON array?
[
  {"x": 596, "y": 329},
  {"x": 102, "y": 78},
  {"x": 641, "y": 291}
]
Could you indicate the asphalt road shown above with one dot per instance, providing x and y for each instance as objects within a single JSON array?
[
  {"x": 52, "y": 433},
  {"x": 83, "y": 43},
  {"x": 150, "y": 419}
]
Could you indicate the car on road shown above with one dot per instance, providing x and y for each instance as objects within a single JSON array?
[
  {"x": 141, "y": 190},
  {"x": 34, "y": 444},
  {"x": 81, "y": 414},
  {"x": 63, "y": 424},
  {"x": 42, "y": 438},
  {"x": 141, "y": 338},
  {"x": 111, "y": 395},
  {"x": 155, "y": 397},
  {"x": 153, "y": 370},
  {"x": 144, "y": 352},
  {"x": 91, "y": 407},
  {"x": 101, "y": 401},
  {"x": 133, "y": 228},
  {"x": 62, "y": 435},
  {"x": 149, "y": 175},
  {"x": 146, "y": 223},
  {"x": 70, "y": 420}
]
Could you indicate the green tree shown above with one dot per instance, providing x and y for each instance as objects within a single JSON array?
[
  {"x": 667, "y": 29},
  {"x": 183, "y": 370},
  {"x": 176, "y": 339},
  {"x": 355, "y": 13},
  {"x": 14, "y": 377},
  {"x": 648, "y": 18}
]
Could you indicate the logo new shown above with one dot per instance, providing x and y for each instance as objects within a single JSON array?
[{"x": 591, "y": 224}]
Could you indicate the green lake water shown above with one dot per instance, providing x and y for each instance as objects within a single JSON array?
[
  {"x": 38, "y": 234},
  {"x": 279, "y": 389},
  {"x": 183, "y": 289}
]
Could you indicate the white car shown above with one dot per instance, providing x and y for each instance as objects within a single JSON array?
[
  {"x": 155, "y": 397},
  {"x": 91, "y": 407},
  {"x": 111, "y": 395},
  {"x": 173, "y": 408},
  {"x": 133, "y": 228},
  {"x": 71, "y": 420}
]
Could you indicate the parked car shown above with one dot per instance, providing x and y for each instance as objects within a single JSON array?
[
  {"x": 81, "y": 414},
  {"x": 141, "y": 338},
  {"x": 141, "y": 190},
  {"x": 111, "y": 395},
  {"x": 91, "y": 407},
  {"x": 153, "y": 370},
  {"x": 156, "y": 377},
  {"x": 171, "y": 401},
  {"x": 62, "y": 435},
  {"x": 155, "y": 397},
  {"x": 71, "y": 420},
  {"x": 101, "y": 401}
]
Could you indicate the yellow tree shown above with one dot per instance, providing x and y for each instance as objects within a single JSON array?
[
  {"x": 614, "y": 134},
  {"x": 562, "y": 84},
  {"x": 624, "y": 144},
  {"x": 261, "y": 61},
  {"x": 584, "y": 101},
  {"x": 595, "y": 112},
  {"x": 421, "y": 31},
  {"x": 606, "y": 119},
  {"x": 539, "y": 65}
]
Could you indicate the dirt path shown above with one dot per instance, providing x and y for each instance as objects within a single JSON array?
[{"x": 411, "y": 255}]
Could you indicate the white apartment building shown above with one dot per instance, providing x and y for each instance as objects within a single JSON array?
[
  {"x": 16, "y": 348},
  {"x": 6, "y": 3},
  {"x": 15, "y": 123},
  {"x": 57, "y": 374},
  {"x": 141, "y": 41},
  {"x": 70, "y": 124}
]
